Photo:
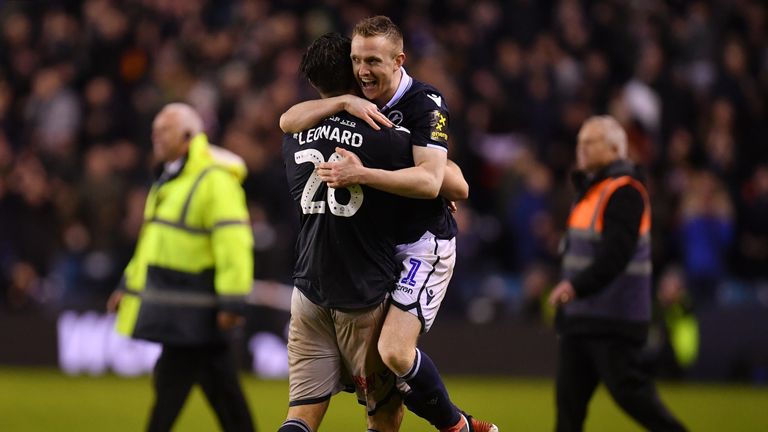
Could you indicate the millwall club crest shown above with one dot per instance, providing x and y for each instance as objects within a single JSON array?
[{"x": 395, "y": 117}]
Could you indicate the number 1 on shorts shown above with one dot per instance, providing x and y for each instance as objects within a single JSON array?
[{"x": 415, "y": 264}]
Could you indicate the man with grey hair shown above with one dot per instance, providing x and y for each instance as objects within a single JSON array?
[
  {"x": 604, "y": 299},
  {"x": 191, "y": 270}
]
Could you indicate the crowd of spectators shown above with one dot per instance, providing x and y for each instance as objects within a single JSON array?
[{"x": 80, "y": 82}]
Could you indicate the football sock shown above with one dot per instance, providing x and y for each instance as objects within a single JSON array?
[
  {"x": 294, "y": 425},
  {"x": 428, "y": 398}
]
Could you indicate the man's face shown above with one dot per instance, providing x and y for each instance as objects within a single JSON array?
[
  {"x": 592, "y": 151},
  {"x": 376, "y": 63},
  {"x": 168, "y": 139}
]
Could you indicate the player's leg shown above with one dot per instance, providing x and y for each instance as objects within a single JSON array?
[
  {"x": 175, "y": 372},
  {"x": 388, "y": 415},
  {"x": 397, "y": 343},
  {"x": 221, "y": 386},
  {"x": 304, "y": 418},
  {"x": 428, "y": 398},
  {"x": 631, "y": 386},
  {"x": 427, "y": 269},
  {"x": 314, "y": 364},
  {"x": 576, "y": 381},
  {"x": 357, "y": 333}
]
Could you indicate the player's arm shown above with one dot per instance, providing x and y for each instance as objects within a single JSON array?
[
  {"x": 423, "y": 180},
  {"x": 455, "y": 186},
  {"x": 306, "y": 114}
]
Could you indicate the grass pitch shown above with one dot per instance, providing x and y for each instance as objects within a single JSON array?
[{"x": 46, "y": 400}]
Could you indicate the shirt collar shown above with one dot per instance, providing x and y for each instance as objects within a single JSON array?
[
  {"x": 172, "y": 169},
  {"x": 405, "y": 84},
  {"x": 174, "y": 166}
]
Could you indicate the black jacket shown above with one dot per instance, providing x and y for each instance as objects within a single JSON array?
[{"x": 621, "y": 223}]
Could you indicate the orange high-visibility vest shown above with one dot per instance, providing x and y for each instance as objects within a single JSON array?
[{"x": 628, "y": 297}]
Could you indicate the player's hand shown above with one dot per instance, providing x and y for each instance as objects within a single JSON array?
[
  {"x": 229, "y": 320},
  {"x": 114, "y": 301},
  {"x": 342, "y": 173},
  {"x": 562, "y": 293},
  {"x": 452, "y": 206},
  {"x": 366, "y": 111}
]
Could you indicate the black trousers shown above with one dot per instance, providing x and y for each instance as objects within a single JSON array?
[
  {"x": 584, "y": 361},
  {"x": 179, "y": 368}
]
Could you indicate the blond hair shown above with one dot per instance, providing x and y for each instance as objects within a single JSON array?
[{"x": 380, "y": 25}]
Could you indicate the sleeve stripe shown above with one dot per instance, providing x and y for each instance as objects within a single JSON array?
[{"x": 445, "y": 149}]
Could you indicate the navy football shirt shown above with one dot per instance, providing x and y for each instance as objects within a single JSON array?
[
  {"x": 421, "y": 109},
  {"x": 345, "y": 248}
]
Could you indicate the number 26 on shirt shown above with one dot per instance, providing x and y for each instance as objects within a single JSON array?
[{"x": 313, "y": 183}]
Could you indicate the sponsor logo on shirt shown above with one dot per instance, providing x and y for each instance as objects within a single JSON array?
[
  {"x": 439, "y": 127},
  {"x": 404, "y": 289}
]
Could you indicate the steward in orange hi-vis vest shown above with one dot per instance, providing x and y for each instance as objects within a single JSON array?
[
  {"x": 610, "y": 271},
  {"x": 604, "y": 297}
]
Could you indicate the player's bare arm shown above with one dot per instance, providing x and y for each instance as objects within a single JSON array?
[
  {"x": 307, "y": 114},
  {"x": 423, "y": 180},
  {"x": 349, "y": 171},
  {"x": 455, "y": 186}
]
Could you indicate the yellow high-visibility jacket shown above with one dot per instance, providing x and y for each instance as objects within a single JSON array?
[{"x": 194, "y": 255}]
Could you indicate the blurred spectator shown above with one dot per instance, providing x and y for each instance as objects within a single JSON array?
[
  {"x": 678, "y": 349},
  {"x": 706, "y": 234},
  {"x": 52, "y": 116},
  {"x": 537, "y": 281},
  {"x": 753, "y": 239},
  {"x": 102, "y": 117},
  {"x": 30, "y": 237},
  {"x": 529, "y": 216}
]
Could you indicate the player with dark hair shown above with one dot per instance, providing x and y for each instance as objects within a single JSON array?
[
  {"x": 345, "y": 262},
  {"x": 426, "y": 238},
  {"x": 321, "y": 64}
]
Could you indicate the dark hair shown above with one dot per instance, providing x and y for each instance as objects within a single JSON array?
[{"x": 327, "y": 66}]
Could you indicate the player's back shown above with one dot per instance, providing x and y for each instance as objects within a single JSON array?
[{"x": 345, "y": 248}]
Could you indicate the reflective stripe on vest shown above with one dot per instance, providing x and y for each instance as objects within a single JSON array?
[
  {"x": 628, "y": 297},
  {"x": 181, "y": 223},
  {"x": 179, "y": 306},
  {"x": 184, "y": 298},
  {"x": 579, "y": 263}
]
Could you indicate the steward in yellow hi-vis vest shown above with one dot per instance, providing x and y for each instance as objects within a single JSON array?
[
  {"x": 194, "y": 254},
  {"x": 192, "y": 267}
]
